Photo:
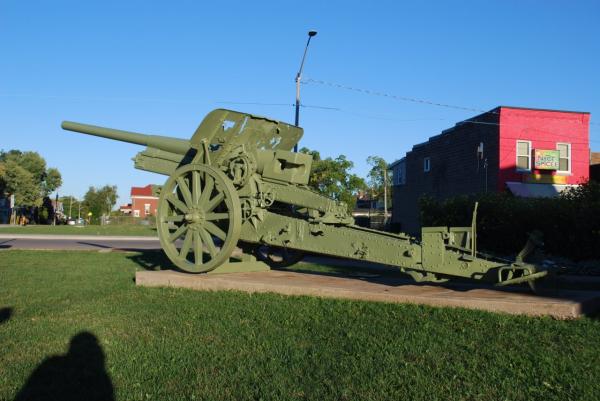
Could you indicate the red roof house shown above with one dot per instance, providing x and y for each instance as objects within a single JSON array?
[{"x": 143, "y": 201}]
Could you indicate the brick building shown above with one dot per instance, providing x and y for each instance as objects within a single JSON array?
[
  {"x": 143, "y": 201},
  {"x": 530, "y": 152}
]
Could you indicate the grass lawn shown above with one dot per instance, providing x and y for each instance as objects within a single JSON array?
[
  {"x": 134, "y": 230},
  {"x": 174, "y": 344}
]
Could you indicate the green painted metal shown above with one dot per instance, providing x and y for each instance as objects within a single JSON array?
[
  {"x": 237, "y": 182},
  {"x": 199, "y": 218}
]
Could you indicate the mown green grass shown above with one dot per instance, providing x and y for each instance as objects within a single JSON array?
[
  {"x": 133, "y": 230},
  {"x": 172, "y": 344}
]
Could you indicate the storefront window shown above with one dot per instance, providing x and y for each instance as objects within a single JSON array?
[
  {"x": 523, "y": 155},
  {"x": 564, "y": 157}
]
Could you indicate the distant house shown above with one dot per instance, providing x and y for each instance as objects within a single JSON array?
[
  {"x": 530, "y": 152},
  {"x": 58, "y": 208},
  {"x": 143, "y": 201},
  {"x": 125, "y": 209}
]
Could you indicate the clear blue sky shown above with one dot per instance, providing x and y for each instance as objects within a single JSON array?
[{"x": 159, "y": 67}]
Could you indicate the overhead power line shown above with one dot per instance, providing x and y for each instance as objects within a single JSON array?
[{"x": 408, "y": 99}]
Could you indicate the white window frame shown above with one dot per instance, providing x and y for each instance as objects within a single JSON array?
[
  {"x": 565, "y": 172},
  {"x": 517, "y": 155},
  {"x": 426, "y": 164},
  {"x": 136, "y": 213}
]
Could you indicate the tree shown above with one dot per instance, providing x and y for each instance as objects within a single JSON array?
[
  {"x": 100, "y": 201},
  {"x": 332, "y": 178},
  {"x": 16, "y": 180},
  {"x": 52, "y": 181},
  {"x": 25, "y": 175},
  {"x": 378, "y": 179},
  {"x": 71, "y": 206}
]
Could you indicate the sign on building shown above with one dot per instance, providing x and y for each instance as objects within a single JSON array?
[{"x": 545, "y": 159}]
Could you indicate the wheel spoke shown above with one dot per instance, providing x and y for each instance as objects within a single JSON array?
[
  {"x": 178, "y": 218},
  {"x": 214, "y": 230},
  {"x": 178, "y": 233},
  {"x": 187, "y": 244},
  {"x": 177, "y": 203},
  {"x": 197, "y": 248},
  {"x": 199, "y": 217},
  {"x": 214, "y": 202},
  {"x": 196, "y": 186},
  {"x": 217, "y": 216},
  {"x": 185, "y": 191},
  {"x": 212, "y": 249},
  {"x": 209, "y": 185}
]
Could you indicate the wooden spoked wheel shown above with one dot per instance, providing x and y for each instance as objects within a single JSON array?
[{"x": 199, "y": 218}]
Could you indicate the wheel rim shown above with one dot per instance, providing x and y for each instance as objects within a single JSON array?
[{"x": 199, "y": 218}]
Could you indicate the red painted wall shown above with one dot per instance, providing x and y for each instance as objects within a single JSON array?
[
  {"x": 139, "y": 204},
  {"x": 544, "y": 129}
]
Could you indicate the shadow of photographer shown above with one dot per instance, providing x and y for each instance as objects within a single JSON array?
[
  {"x": 5, "y": 314},
  {"x": 80, "y": 374}
]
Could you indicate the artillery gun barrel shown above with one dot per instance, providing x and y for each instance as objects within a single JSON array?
[{"x": 174, "y": 145}]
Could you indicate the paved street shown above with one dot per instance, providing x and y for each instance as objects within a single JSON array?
[{"x": 76, "y": 242}]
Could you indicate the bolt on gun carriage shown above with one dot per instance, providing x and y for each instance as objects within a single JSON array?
[{"x": 236, "y": 182}]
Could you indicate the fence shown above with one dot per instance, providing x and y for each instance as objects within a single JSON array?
[{"x": 128, "y": 220}]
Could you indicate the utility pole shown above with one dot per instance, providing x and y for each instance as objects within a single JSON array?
[
  {"x": 298, "y": 79},
  {"x": 70, "y": 205},
  {"x": 55, "y": 209},
  {"x": 385, "y": 209}
]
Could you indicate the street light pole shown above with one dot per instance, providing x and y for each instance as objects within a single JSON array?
[{"x": 298, "y": 79}]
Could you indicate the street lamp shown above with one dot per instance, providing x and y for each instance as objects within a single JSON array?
[{"x": 298, "y": 79}]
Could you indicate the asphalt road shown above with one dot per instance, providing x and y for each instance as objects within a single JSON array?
[
  {"x": 129, "y": 243},
  {"x": 77, "y": 242}
]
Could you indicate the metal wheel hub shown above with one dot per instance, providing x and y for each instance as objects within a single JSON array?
[{"x": 196, "y": 217}]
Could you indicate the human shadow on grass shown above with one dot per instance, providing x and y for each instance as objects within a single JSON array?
[
  {"x": 5, "y": 314},
  {"x": 80, "y": 374}
]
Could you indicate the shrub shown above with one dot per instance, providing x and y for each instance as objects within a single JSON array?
[{"x": 570, "y": 223}]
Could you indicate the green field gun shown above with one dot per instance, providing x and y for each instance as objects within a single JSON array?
[{"x": 237, "y": 184}]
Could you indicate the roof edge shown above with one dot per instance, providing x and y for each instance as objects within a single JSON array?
[{"x": 536, "y": 109}]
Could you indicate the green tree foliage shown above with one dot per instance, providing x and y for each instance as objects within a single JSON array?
[
  {"x": 378, "y": 178},
  {"x": 100, "y": 201},
  {"x": 71, "y": 204},
  {"x": 52, "y": 181},
  {"x": 332, "y": 178},
  {"x": 25, "y": 175},
  {"x": 16, "y": 180}
]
